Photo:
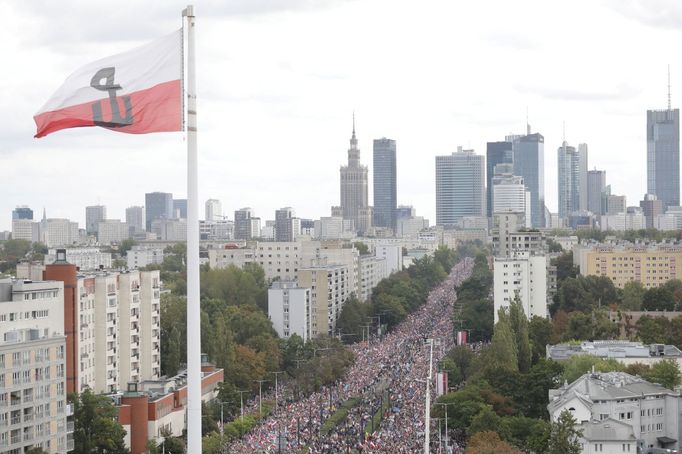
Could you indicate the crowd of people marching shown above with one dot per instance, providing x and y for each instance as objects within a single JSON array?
[{"x": 388, "y": 376}]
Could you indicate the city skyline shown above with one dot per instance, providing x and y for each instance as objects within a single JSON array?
[{"x": 467, "y": 108}]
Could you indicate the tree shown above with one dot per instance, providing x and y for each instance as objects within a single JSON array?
[
  {"x": 36, "y": 450},
  {"x": 578, "y": 365},
  {"x": 543, "y": 376},
  {"x": 96, "y": 428},
  {"x": 564, "y": 438},
  {"x": 489, "y": 443},
  {"x": 477, "y": 316},
  {"x": 553, "y": 246},
  {"x": 539, "y": 335},
  {"x": 658, "y": 299},
  {"x": 125, "y": 246},
  {"x": 361, "y": 247},
  {"x": 564, "y": 267},
  {"x": 665, "y": 372},
  {"x": 353, "y": 315},
  {"x": 529, "y": 434},
  {"x": 653, "y": 330},
  {"x": 462, "y": 357},
  {"x": 519, "y": 326},
  {"x": 631, "y": 296},
  {"x": 501, "y": 354},
  {"x": 485, "y": 420}
]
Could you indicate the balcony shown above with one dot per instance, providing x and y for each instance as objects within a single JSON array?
[{"x": 15, "y": 420}]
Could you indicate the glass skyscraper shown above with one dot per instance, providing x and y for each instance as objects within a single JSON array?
[
  {"x": 496, "y": 153},
  {"x": 663, "y": 155},
  {"x": 572, "y": 172},
  {"x": 460, "y": 187},
  {"x": 158, "y": 205},
  {"x": 529, "y": 163},
  {"x": 385, "y": 184}
]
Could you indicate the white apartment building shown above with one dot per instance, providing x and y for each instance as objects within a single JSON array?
[
  {"x": 170, "y": 229},
  {"x": 84, "y": 258},
  {"x": 33, "y": 406},
  {"x": 524, "y": 275},
  {"x": 118, "y": 329},
  {"x": 141, "y": 256},
  {"x": 289, "y": 309},
  {"x": 623, "y": 221},
  {"x": 58, "y": 232},
  {"x": 509, "y": 194},
  {"x": 112, "y": 231},
  {"x": 25, "y": 229},
  {"x": 330, "y": 228},
  {"x": 214, "y": 210},
  {"x": 410, "y": 227},
  {"x": 329, "y": 290},
  {"x": 392, "y": 253},
  {"x": 372, "y": 271},
  {"x": 220, "y": 230},
  {"x": 619, "y": 412}
]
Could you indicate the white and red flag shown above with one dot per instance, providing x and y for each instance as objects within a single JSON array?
[{"x": 135, "y": 92}]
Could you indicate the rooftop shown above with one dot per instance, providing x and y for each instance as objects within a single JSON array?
[{"x": 612, "y": 349}]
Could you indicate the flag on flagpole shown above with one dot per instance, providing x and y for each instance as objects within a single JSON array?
[{"x": 135, "y": 92}]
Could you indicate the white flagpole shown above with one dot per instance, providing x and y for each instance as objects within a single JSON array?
[{"x": 193, "y": 304}]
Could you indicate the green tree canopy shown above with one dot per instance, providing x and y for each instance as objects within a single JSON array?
[
  {"x": 564, "y": 438},
  {"x": 96, "y": 428}
]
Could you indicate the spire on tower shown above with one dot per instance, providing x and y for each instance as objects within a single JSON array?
[
  {"x": 353, "y": 124},
  {"x": 527, "y": 123}
]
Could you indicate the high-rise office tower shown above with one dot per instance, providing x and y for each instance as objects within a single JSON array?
[
  {"x": 286, "y": 224},
  {"x": 529, "y": 163},
  {"x": 214, "y": 210},
  {"x": 353, "y": 183},
  {"x": 385, "y": 183},
  {"x": 22, "y": 212},
  {"x": 651, "y": 207},
  {"x": 93, "y": 216},
  {"x": 596, "y": 184},
  {"x": 572, "y": 181},
  {"x": 158, "y": 205},
  {"x": 180, "y": 208},
  {"x": 496, "y": 153},
  {"x": 244, "y": 226},
  {"x": 135, "y": 219},
  {"x": 460, "y": 189},
  {"x": 663, "y": 154}
]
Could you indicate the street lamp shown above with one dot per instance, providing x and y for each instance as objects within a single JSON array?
[
  {"x": 260, "y": 396},
  {"x": 222, "y": 418},
  {"x": 446, "y": 423},
  {"x": 241, "y": 403},
  {"x": 276, "y": 373}
]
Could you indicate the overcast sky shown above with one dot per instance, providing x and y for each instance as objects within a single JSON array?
[{"x": 278, "y": 81}]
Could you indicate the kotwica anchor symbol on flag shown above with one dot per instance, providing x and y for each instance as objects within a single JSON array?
[{"x": 117, "y": 121}]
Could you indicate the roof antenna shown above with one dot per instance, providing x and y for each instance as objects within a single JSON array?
[
  {"x": 564, "y": 128},
  {"x": 669, "y": 103},
  {"x": 527, "y": 123}
]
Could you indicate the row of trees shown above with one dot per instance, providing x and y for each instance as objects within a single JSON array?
[
  {"x": 500, "y": 398},
  {"x": 13, "y": 251},
  {"x": 474, "y": 307}
]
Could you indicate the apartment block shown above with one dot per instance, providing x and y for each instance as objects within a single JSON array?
[
  {"x": 141, "y": 256},
  {"x": 649, "y": 265},
  {"x": 523, "y": 275},
  {"x": 289, "y": 309},
  {"x": 84, "y": 258},
  {"x": 33, "y": 408},
  {"x": 112, "y": 327},
  {"x": 329, "y": 290},
  {"x": 372, "y": 271}
]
